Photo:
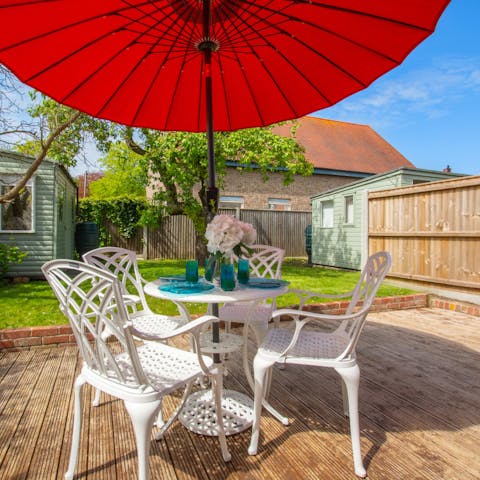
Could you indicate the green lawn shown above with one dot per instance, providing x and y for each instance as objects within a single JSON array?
[{"x": 33, "y": 304}]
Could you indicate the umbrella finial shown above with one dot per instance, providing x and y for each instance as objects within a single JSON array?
[{"x": 207, "y": 44}]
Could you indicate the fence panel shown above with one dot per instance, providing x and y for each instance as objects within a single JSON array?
[
  {"x": 280, "y": 229},
  {"x": 175, "y": 236},
  {"x": 134, "y": 243},
  {"x": 432, "y": 231}
]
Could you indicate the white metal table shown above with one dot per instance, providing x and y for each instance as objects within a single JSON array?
[{"x": 198, "y": 413}]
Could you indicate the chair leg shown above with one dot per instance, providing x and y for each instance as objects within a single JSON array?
[
  {"x": 260, "y": 368},
  {"x": 345, "y": 399},
  {"x": 217, "y": 386},
  {"x": 142, "y": 416},
  {"x": 351, "y": 378},
  {"x": 77, "y": 427},
  {"x": 96, "y": 400},
  {"x": 159, "y": 423}
]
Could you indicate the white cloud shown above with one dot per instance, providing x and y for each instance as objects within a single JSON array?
[{"x": 428, "y": 92}]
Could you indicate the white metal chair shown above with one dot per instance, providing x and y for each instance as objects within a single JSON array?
[
  {"x": 123, "y": 264},
  {"x": 335, "y": 349},
  {"x": 91, "y": 299},
  {"x": 264, "y": 262}
]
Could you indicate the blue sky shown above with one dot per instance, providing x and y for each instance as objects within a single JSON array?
[{"x": 428, "y": 108}]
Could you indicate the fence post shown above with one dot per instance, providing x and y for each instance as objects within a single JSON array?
[{"x": 145, "y": 242}]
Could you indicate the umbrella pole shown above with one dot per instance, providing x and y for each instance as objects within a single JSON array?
[{"x": 207, "y": 46}]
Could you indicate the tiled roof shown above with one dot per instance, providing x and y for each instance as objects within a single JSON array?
[{"x": 344, "y": 146}]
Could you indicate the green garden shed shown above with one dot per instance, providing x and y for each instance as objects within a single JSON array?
[
  {"x": 41, "y": 220},
  {"x": 340, "y": 216}
]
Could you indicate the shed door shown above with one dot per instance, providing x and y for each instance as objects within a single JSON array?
[{"x": 61, "y": 214}]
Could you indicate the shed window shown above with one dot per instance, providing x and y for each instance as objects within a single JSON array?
[
  {"x": 327, "y": 214},
  {"x": 230, "y": 202},
  {"x": 349, "y": 209},
  {"x": 17, "y": 215},
  {"x": 279, "y": 204}
]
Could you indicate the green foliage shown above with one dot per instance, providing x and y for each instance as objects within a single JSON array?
[
  {"x": 125, "y": 213},
  {"x": 266, "y": 152},
  {"x": 125, "y": 175},
  {"x": 69, "y": 144},
  {"x": 179, "y": 168},
  {"x": 9, "y": 255}
]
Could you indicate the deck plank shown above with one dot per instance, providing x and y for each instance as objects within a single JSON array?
[
  {"x": 47, "y": 453},
  {"x": 30, "y": 411},
  {"x": 419, "y": 414}
]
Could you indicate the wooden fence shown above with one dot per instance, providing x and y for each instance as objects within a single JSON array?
[
  {"x": 432, "y": 231},
  {"x": 175, "y": 237}
]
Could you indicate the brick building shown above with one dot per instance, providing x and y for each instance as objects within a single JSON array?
[{"x": 340, "y": 153}]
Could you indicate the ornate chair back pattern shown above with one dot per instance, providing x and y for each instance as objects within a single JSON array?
[
  {"x": 91, "y": 299},
  {"x": 123, "y": 264},
  {"x": 266, "y": 261}
]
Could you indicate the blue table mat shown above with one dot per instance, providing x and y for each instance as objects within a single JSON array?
[{"x": 186, "y": 288}]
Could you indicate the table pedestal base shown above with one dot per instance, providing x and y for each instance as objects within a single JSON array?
[{"x": 199, "y": 414}]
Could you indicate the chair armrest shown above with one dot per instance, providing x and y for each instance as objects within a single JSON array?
[
  {"x": 192, "y": 327},
  {"x": 305, "y": 295},
  {"x": 301, "y": 315},
  {"x": 301, "y": 318}
]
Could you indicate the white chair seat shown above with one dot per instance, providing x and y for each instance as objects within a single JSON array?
[
  {"x": 310, "y": 345},
  {"x": 167, "y": 368},
  {"x": 156, "y": 324}
]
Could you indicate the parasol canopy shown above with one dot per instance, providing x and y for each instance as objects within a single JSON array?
[{"x": 148, "y": 63}]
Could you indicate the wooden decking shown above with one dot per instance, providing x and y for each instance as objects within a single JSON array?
[{"x": 419, "y": 413}]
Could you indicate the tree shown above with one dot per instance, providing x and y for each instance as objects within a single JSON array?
[
  {"x": 43, "y": 127},
  {"x": 125, "y": 175},
  {"x": 177, "y": 164}
]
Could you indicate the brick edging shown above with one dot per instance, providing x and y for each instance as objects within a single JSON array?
[
  {"x": 34, "y": 337},
  {"x": 462, "y": 307}
]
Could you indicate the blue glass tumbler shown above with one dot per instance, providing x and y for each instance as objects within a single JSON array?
[
  {"x": 227, "y": 277},
  {"x": 191, "y": 271},
  {"x": 243, "y": 273}
]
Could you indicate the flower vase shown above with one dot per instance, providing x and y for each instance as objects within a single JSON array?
[
  {"x": 221, "y": 272},
  {"x": 211, "y": 270}
]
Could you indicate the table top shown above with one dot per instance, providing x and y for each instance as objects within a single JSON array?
[{"x": 216, "y": 295}]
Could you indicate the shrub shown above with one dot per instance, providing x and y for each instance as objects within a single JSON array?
[
  {"x": 9, "y": 254},
  {"x": 124, "y": 213}
]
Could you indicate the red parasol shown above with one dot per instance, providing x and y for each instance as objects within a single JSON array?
[{"x": 146, "y": 63}]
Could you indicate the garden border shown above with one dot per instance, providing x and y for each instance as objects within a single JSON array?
[{"x": 38, "y": 337}]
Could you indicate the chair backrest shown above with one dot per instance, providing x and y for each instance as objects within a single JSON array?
[
  {"x": 372, "y": 275},
  {"x": 123, "y": 264},
  {"x": 363, "y": 294},
  {"x": 266, "y": 261},
  {"x": 91, "y": 299}
]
